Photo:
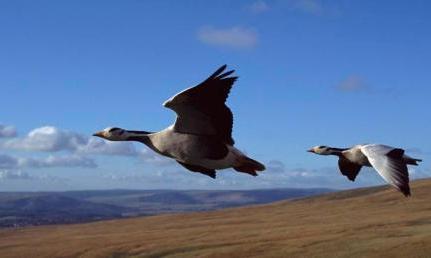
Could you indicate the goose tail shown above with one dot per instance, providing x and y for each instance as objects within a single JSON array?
[{"x": 249, "y": 166}]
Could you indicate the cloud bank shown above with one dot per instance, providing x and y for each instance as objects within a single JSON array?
[{"x": 51, "y": 139}]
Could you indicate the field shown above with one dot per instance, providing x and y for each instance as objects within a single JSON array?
[{"x": 370, "y": 222}]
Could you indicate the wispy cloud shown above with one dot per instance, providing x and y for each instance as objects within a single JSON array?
[
  {"x": 57, "y": 161},
  {"x": 314, "y": 7},
  {"x": 352, "y": 83},
  {"x": 235, "y": 37},
  {"x": 7, "y": 131},
  {"x": 14, "y": 175},
  {"x": 11, "y": 162},
  {"x": 103, "y": 147},
  {"x": 258, "y": 7}
]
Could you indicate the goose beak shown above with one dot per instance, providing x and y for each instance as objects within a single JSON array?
[
  {"x": 310, "y": 150},
  {"x": 99, "y": 134}
]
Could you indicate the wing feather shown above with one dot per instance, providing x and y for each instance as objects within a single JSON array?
[
  {"x": 202, "y": 110},
  {"x": 390, "y": 165}
]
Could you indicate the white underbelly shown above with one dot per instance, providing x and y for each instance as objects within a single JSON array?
[{"x": 230, "y": 160}]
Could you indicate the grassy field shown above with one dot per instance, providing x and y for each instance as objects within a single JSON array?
[{"x": 372, "y": 222}]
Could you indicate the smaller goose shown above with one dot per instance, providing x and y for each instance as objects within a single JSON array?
[{"x": 391, "y": 163}]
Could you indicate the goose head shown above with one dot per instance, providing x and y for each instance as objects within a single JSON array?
[
  {"x": 112, "y": 134},
  {"x": 321, "y": 150}
]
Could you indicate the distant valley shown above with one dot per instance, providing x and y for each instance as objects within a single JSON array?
[{"x": 20, "y": 209}]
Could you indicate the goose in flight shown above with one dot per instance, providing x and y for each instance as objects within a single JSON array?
[
  {"x": 201, "y": 137},
  {"x": 391, "y": 163}
]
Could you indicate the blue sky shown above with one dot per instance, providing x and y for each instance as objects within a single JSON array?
[{"x": 311, "y": 72}]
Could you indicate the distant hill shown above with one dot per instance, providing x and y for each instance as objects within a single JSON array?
[
  {"x": 370, "y": 222},
  {"x": 26, "y": 209}
]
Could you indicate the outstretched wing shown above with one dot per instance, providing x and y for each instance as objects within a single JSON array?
[
  {"x": 202, "y": 110},
  {"x": 389, "y": 163}
]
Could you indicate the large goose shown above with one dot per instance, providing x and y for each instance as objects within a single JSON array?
[
  {"x": 391, "y": 163},
  {"x": 201, "y": 137}
]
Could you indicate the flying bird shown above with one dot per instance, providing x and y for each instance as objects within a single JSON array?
[
  {"x": 200, "y": 140},
  {"x": 389, "y": 162}
]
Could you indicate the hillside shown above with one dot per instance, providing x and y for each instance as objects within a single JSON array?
[
  {"x": 371, "y": 222},
  {"x": 19, "y": 209}
]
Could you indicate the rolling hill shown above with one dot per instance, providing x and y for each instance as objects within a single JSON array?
[
  {"x": 369, "y": 222},
  {"x": 20, "y": 209}
]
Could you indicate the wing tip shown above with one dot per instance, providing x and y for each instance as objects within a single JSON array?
[
  {"x": 406, "y": 192},
  {"x": 218, "y": 74},
  {"x": 218, "y": 71}
]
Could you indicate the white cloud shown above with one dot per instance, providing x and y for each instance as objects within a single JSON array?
[
  {"x": 47, "y": 138},
  {"x": 234, "y": 37},
  {"x": 52, "y": 139},
  {"x": 258, "y": 7},
  {"x": 352, "y": 83},
  {"x": 10, "y": 162},
  {"x": 7, "y": 131}
]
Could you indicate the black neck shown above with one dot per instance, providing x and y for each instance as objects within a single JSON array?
[
  {"x": 138, "y": 136},
  {"x": 139, "y": 132},
  {"x": 336, "y": 151}
]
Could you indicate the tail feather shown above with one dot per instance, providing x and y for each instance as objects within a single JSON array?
[{"x": 249, "y": 166}]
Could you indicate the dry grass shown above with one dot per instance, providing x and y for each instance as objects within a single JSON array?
[{"x": 360, "y": 223}]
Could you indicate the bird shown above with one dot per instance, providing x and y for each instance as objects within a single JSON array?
[
  {"x": 200, "y": 140},
  {"x": 389, "y": 162}
]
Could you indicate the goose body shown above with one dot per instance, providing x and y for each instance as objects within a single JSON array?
[
  {"x": 201, "y": 137},
  {"x": 389, "y": 162},
  {"x": 194, "y": 149}
]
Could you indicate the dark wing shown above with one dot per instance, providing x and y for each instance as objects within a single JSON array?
[
  {"x": 348, "y": 168},
  {"x": 209, "y": 172},
  {"x": 390, "y": 165},
  {"x": 202, "y": 110}
]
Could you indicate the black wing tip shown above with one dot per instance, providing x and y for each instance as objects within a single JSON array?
[
  {"x": 218, "y": 71},
  {"x": 405, "y": 190},
  {"x": 226, "y": 74},
  {"x": 222, "y": 68},
  {"x": 218, "y": 74}
]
